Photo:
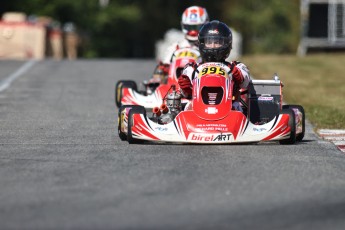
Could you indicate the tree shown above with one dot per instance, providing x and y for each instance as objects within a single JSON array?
[
  {"x": 130, "y": 28},
  {"x": 266, "y": 26}
]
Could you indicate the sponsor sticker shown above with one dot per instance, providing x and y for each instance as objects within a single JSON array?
[
  {"x": 213, "y": 31},
  {"x": 210, "y": 137},
  {"x": 265, "y": 98},
  {"x": 259, "y": 129},
  {"x": 161, "y": 129},
  {"x": 211, "y": 110},
  {"x": 211, "y": 127}
]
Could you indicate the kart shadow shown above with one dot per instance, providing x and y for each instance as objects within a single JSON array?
[
  {"x": 195, "y": 144},
  {"x": 303, "y": 142}
]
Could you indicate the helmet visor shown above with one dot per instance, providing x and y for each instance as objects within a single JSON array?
[
  {"x": 192, "y": 27},
  {"x": 215, "y": 42}
]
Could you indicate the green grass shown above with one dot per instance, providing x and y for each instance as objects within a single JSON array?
[{"x": 317, "y": 82}]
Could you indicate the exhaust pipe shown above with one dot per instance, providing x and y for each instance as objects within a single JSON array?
[
  {"x": 156, "y": 111},
  {"x": 164, "y": 108}
]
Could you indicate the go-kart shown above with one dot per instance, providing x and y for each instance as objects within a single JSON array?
[
  {"x": 127, "y": 92},
  {"x": 209, "y": 117}
]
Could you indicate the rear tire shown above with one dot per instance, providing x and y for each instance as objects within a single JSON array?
[
  {"x": 118, "y": 89},
  {"x": 136, "y": 109},
  {"x": 300, "y": 136},
  {"x": 292, "y": 139}
]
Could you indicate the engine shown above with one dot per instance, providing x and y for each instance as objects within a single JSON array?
[{"x": 168, "y": 110}]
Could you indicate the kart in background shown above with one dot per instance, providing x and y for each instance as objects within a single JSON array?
[
  {"x": 127, "y": 93},
  {"x": 209, "y": 117}
]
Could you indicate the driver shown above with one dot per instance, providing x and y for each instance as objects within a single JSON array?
[
  {"x": 193, "y": 18},
  {"x": 215, "y": 43}
]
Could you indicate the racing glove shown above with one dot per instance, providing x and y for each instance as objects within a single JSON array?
[
  {"x": 236, "y": 74},
  {"x": 185, "y": 85}
]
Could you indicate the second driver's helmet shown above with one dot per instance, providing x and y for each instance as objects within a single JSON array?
[
  {"x": 215, "y": 41},
  {"x": 192, "y": 19}
]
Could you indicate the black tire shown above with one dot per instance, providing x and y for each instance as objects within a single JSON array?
[
  {"x": 300, "y": 136},
  {"x": 118, "y": 89},
  {"x": 122, "y": 135},
  {"x": 136, "y": 109},
  {"x": 292, "y": 139}
]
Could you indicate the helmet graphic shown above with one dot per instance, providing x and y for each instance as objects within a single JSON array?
[{"x": 192, "y": 19}]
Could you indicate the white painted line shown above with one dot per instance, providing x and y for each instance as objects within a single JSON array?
[
  {"x": 341, "y": 148},
  {"x": 339, "y": 142},
  {"x": 334, "y": 138},
  {"x": 331, "y": 131},
  {"x": 4, "y": 84}
]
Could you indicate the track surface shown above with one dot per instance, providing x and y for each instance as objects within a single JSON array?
[{"x": 62, "y": 165}]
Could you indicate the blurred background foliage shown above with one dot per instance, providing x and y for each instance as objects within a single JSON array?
[{"x": 130, "y": 28}]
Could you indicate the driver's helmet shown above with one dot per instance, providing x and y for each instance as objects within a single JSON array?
[
  {"x": 215, "y": 41},
  {"x": 192, "y": 19}
]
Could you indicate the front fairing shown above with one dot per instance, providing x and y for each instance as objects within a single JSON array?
[{"x": 212, "y": 96}]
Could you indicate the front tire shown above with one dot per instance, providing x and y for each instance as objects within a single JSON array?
[
  {"x": 292, "y": 139},
  {"x": 122, "y": 135},
  {"x": 136, "y": 109},
  {"x": 300, "y": 136}
]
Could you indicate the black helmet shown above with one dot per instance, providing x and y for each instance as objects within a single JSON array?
[{"x": 215, "y": 41}]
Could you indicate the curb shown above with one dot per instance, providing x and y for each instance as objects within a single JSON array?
[{"x": 336, "y": 136}]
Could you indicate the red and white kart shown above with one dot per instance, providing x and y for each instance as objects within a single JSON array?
[
  {"x": 209, "y": 118},
  {"x": 127, "y": 93}
]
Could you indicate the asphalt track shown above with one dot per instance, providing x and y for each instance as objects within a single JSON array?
[{"x": 62, "y": 165}]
